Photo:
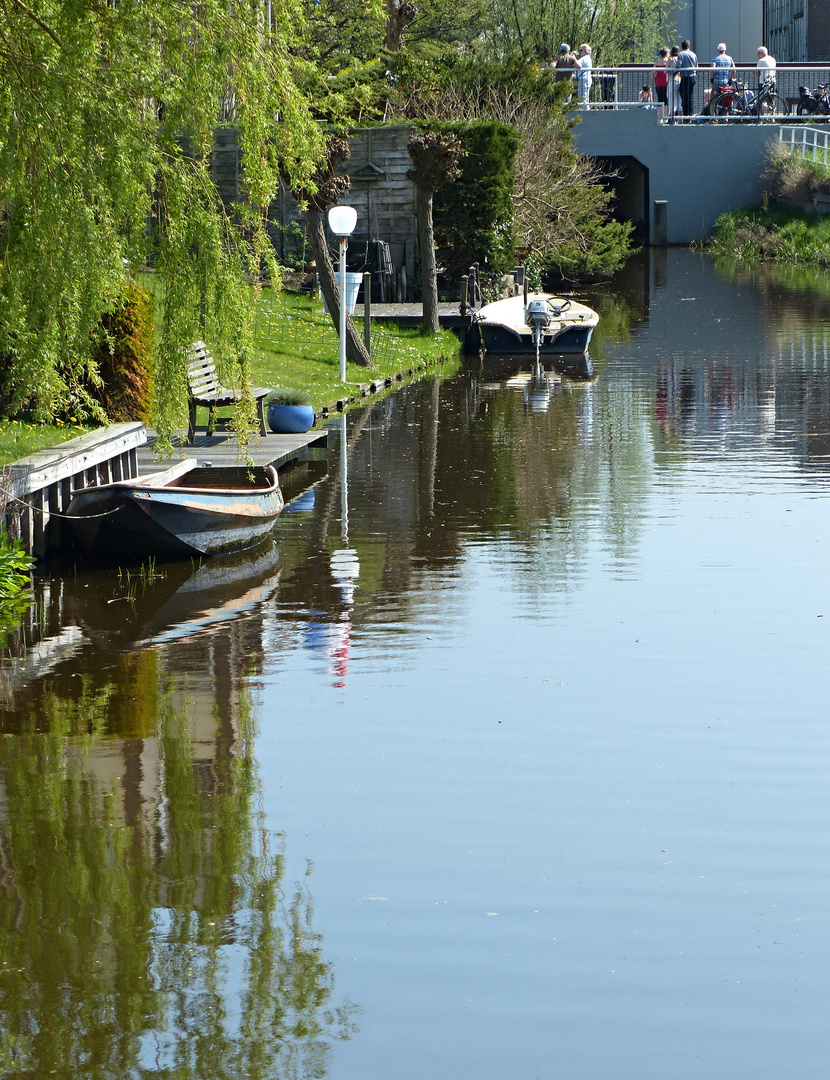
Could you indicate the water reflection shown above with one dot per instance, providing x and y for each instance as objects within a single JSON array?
[
  {"x": 146, "y": 923},
  {"x": 144, "y": 917},
  {"x": 129, "y": 759}
]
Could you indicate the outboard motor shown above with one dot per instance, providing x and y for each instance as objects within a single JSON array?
[{"x": 537, "y": 317}]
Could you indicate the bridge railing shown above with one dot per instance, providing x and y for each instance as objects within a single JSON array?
[
  {"x": 619, "y": 87},
  {"x": 810, "y": 142}
]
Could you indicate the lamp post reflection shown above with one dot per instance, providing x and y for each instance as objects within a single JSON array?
[{"x": 345, "y": 568}]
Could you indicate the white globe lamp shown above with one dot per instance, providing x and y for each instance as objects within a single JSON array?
[{"x": 342, "y": 221}]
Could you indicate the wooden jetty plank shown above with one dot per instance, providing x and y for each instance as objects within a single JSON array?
[
  {"x": 406, "y": 314},
  {"x": 222, "y": 449},
  {"x": 40, "y": 486}
]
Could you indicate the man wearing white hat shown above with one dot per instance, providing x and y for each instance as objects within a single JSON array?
[{"x": 723, "y": 68}]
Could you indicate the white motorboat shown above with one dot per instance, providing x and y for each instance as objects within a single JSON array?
[{"x": 536, "y": 323}]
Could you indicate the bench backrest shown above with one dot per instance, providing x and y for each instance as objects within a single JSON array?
[{"x": 202, "y": 380}]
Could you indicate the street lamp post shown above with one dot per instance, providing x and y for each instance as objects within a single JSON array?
[{"x": 342, "y": 220}]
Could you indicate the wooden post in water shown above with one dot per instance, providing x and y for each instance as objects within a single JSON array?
[
  {"x": 465, "y": 284},
  {"x": 367, "y": 311}
]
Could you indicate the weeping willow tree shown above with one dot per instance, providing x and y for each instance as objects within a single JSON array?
[{"x": 107, "y": 113}]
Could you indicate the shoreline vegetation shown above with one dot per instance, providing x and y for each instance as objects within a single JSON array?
[
  {"x": 780, "y": 229},
  {"x": 295, "y": 344}
]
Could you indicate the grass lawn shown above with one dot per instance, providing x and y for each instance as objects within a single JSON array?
[
  {"x": 296, "y": 345},
  {"x": 19, "y": 439}
]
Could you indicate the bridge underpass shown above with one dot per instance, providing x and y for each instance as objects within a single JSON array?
[
  {"x": 691, "y": 172},
  {"x": 628, "y": 181}
]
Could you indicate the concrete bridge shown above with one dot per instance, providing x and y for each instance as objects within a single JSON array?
[{"x": 675, "y": 179}]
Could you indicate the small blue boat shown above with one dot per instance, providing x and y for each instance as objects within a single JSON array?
[{"x": 182, "y": 511}]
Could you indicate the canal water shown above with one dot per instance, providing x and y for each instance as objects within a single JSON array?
[{"x": 510, "y": 756}]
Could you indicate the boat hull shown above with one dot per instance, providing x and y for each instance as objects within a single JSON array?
[
  {"x": 501, "y": 339},
  {"x": 203, "y": 512},
  {"x": 502, "y": 328}
]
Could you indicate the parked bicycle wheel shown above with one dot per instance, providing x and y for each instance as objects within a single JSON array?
[
  {"x": 734, "y": 106},
  {"x": 773, "y": 104},
  {"x": 810, "y": 106}
]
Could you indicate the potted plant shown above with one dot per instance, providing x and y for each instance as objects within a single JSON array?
[{"x": 288, "y": 411}]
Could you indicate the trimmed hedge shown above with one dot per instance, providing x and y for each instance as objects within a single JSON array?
[{"x": 473, "y": 215}]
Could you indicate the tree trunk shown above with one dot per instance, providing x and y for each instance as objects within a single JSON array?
[
  {"x": 429, "y": 272},
  {"x": 355, "y": 349},
  {"x": 399, "y": 15}
]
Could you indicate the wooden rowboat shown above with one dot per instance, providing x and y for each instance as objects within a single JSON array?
[{"x": 182, "y": 511}]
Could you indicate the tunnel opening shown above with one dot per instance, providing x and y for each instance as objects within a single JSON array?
[{"x": 627, "y": 180}]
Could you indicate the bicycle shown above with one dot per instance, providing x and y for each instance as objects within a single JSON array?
[
  {"x": 725, "y": 101},
  {"x": 814, "y": 102},
  {"x": 767, "y": 101}
]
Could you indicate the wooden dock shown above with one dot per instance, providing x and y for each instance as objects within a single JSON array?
[
  {"x": 221, "y": 448},
  {"x": 38, "y": 489},
  {"x": 449, "y": 315}
]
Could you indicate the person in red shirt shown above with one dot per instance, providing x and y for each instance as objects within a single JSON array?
[{"x": 660, "y": 76}]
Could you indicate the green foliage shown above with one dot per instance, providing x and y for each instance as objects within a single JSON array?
[
  {"x": 599, "y": 247},
  {"x": 15, "y": 584},
  {"x": 778, "y": 234},
  {"x": 124, "y": 356},
  {"x": 559, "y": 218},
  {"x": 106, "y": 124},
  {"x": 473, "y": 215},
  {"x": 619, "y": 31},
  {"x": 15, "y": 566},
  {"x": 790, "y": 175},
  {"x": 287, "y": 395},
  {"x": 19, "y": 438}
]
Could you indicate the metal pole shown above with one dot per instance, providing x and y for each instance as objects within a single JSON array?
[
  {"x": 343, "y": 243},
  {"x": 367, "y": 312},
  {"x": 344, "y": 483}
]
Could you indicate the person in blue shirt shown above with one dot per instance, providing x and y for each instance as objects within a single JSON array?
[
  {"x": 687, "y": 66},
  {"x": 723, "y": 68}
]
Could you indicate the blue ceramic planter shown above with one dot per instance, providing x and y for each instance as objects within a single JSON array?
[{"x": 290, "y": 419}]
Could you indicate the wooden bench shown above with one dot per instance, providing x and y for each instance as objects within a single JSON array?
[{"x": 205, "y": 389}]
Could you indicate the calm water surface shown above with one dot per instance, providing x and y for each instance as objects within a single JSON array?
[{"x": 510, "y": 757}]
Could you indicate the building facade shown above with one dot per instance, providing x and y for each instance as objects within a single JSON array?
[{"x": 798, "y": 31}]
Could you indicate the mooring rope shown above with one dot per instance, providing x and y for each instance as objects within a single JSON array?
[{"x": 55, "y": 513}]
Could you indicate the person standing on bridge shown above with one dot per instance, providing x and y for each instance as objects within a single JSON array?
[
  {"x": 660, "y": 76},
  {"x": 723, "y": 69},
  {"x": 686, "y": 64},
  {"x": 583, "y": 73},
  {"x": 766, "y": 67},
  {"x": 563, "y": 66},
  {"x": 673, "y": 84}
]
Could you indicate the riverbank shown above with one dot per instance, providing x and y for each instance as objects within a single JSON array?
[
  {"x": 774, "y": 233},
  {"x": 296, "y": 345}
]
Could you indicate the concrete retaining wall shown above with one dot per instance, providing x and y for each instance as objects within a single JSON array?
[{"x": 700, "y": 170}]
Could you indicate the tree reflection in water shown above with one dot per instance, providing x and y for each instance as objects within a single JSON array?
[{"x": 150, "y": 937}]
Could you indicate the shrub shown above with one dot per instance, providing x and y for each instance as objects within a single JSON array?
[
  {"x": 124, "y": 353},
  {"x": 287, "y": 395},
  {"x": 473, "y": 215},
  {"x": 15, "y": 584}
]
